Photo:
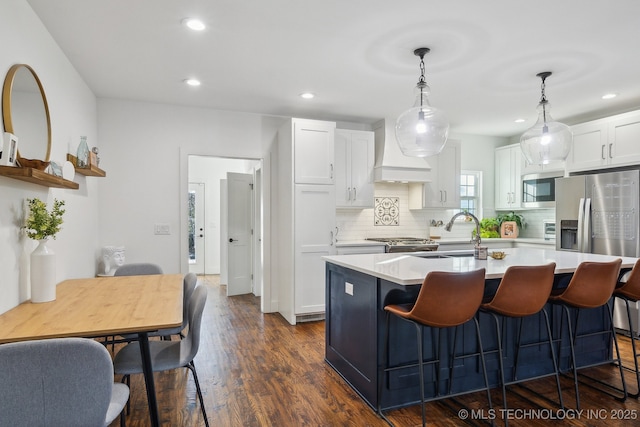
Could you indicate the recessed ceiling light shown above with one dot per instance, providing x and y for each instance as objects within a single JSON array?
[
  {"x": 519, "y": 120},
  {"x": 609, "y": 95},
  {"x": 194, "y": 24},
  {"x": 307, "y": 95},
  {"x": 192, "y": 82}
]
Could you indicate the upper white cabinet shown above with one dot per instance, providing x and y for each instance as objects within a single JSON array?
[
  {"x": 590, "y": 147},
  {"x": 624, "y": 140},
  {"x": 507, "y": 177},
  {"x": 605, "y": 143},
  {"x": 443, "y": 191},
  {"x": 313, "y": 146},
  {"x": 354, "y": 159}
]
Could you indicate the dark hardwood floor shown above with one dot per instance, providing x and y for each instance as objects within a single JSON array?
[{"x": 257, "y": 370}]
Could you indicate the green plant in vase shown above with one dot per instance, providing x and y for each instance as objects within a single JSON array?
[
  {"x": 42, "y": 224},
  {"x": 512, "y": 216}
]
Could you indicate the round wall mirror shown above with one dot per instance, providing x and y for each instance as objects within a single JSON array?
[{"x": 25, "y": 112}]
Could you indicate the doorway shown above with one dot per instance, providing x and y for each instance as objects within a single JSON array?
[
  {"x": 210, "y": 172},
  {"x": 197, "y": 257}
]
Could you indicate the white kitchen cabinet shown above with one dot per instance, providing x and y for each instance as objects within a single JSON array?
[
  {"x": 589, "y": 149},
  {"x": 605, "y": 143},
  {"x": 624, "y": 139},
  {"x": 354, "y": 159},
  {"x": 305, "y": 215},
  {"x": 508, "y": 164},
  {"x": 313, "y": 151},
  {"x": 443, "y": 191},
  {"x": 314, "y": 227},
  {"x": 534, "y": 168}
]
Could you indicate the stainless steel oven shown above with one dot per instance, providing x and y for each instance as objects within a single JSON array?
[{"x": 539, "y": 190}]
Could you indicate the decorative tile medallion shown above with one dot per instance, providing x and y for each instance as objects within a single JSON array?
[{"x": 387, "y": 211}]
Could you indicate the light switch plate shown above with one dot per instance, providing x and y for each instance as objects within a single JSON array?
[{"x": 162, "y": 229}]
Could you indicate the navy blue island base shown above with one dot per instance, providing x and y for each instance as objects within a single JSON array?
[{"x": 355, "y": 322}]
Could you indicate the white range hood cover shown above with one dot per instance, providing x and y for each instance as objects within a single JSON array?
[{"x": 391, "y": 165}]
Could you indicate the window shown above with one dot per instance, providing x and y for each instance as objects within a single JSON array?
[{"x": 470, "y": 192}]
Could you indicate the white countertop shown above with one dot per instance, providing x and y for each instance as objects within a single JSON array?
[
  {"x": 410, "y": 269},
  {"x": 445, "y": 242}
]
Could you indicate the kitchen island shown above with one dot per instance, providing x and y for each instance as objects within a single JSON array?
[{"x": 359, "y": 286}]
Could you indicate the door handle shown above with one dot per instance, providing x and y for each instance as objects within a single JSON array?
[
  {"x": 331, "y": 165},
  {"x": 348, "y": 193},
  {"x": 331, "y": 244},
  {"x": 445, "y": 195},
  {"x": 231, "y": 240},
  {"x": 602, "y": 152},
  {"x": 610, "y": 147},
  {"x": 354, "y": 194}
]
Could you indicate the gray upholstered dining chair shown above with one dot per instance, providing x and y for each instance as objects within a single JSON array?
[
  {"x": 189, "y": 285},
  {"x": 167, "y": 355},
  {"x": 59, "y": 382},
  {"x": 138, "y": 269}
]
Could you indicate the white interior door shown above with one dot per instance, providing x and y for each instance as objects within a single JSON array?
[
  {"x": 258, "y": 269},
  {"x": 196, "y": 228},
  {"x": 239, "y": 236}
]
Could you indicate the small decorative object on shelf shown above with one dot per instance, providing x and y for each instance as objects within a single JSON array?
[
  {"x": 83, "y": 153},
  {"x": 93, "y": 156},
  {"x": 9, "y": 150},
  {"x": 42, "y": 225},
  {"x": 32, "y": 163}
]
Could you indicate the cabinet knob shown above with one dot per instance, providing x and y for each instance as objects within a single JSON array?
[{"x": 231, "y": 240}]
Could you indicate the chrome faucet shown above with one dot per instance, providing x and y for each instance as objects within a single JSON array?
[{"x": 475, "y": 239}]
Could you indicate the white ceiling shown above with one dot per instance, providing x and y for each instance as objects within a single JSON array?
[{"x": 357, "y": 56}]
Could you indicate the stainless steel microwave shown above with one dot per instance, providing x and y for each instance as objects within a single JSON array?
[{"x": 539, "y": 190}]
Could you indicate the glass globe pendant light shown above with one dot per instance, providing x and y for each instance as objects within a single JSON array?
[
  {"x": 547, "y": 141},
  {"x": 422, "y": 130}
]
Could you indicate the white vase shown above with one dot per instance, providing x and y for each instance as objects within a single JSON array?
[{"x": 43, "y": 273}]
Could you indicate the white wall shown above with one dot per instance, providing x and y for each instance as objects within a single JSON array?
[
  {"x": 72, "y": 107},
  {"x": 145, "y": 149}
]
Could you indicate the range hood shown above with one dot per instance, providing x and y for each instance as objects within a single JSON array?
[{"x": 391, "y": 165}]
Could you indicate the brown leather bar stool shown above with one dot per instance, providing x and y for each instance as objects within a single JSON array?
[
  {"x": 445, "y": 300},
  {"x": 591, "y": 286},
  {"x": 629, "y": 291},
  {"x": 522, "y": 292}
]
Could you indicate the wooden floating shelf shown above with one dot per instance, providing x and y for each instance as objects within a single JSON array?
[
  {"x": 92, "y": 170},
  {"x": 36, "y": 176}
]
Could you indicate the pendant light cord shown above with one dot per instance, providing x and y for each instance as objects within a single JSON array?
[{"x": 422, "y": 82}]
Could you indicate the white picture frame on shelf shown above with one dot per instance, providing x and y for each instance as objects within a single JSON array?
[{"x": 9, "y": 153}]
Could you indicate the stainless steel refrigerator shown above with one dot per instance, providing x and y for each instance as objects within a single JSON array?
[{"x": 598, "y": 213}]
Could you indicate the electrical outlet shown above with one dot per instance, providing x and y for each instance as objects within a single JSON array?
[
  {"x": 162, "y": 229},
  {"x": 348, "y": 288}
]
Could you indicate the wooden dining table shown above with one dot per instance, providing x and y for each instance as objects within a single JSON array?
[{"x": 103, "y": 306}]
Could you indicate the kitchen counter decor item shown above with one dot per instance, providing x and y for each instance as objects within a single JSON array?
[
  {"x": 497, "y": 254},
  {"x": 42, "y": 225}
]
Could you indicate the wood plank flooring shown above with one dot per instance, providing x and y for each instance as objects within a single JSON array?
[{"x": 257, "y": 370}]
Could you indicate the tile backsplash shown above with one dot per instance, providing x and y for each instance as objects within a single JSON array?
[{"x": 393, "y": 218}]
